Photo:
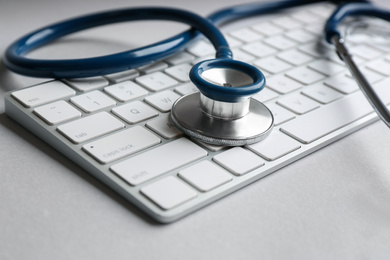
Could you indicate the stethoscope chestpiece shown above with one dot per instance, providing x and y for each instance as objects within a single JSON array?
[{"x": 223, "y": 113}]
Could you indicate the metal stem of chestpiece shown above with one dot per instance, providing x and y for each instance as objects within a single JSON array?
[{"x": 224, "y": 110}]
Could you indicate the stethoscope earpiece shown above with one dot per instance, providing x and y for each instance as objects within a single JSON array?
[{"x": 223, "y": 113}]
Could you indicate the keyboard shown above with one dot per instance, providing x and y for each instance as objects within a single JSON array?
[{"x": 117, "y": 126}]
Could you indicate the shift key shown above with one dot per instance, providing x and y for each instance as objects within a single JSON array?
[{"x": 158, "y": 161}]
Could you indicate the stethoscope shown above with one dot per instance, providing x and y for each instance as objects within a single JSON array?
[{"x": 223, "y": 112}]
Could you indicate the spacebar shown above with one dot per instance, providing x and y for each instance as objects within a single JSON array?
[
  {"x": 160, "y": 160},
  {"x": 325, "y": 120}
]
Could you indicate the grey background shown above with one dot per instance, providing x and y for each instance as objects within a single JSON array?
[{"x": 333, "y": 204}]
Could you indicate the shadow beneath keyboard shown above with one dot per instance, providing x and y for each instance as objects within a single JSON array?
[{"x": 51, "y": 152}]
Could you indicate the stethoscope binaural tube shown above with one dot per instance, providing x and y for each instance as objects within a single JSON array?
[{"x": 334, "y": 36}]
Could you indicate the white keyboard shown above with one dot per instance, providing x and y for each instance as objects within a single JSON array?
[{"x": 116, "y": 127}]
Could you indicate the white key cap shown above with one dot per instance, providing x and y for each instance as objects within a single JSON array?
[
  {"x": 180, "y": 72},
  {"x": 306, "y": 17},
  {"x": 294, "y": 57},
  {"x": 169, "y": 192},
  {"x": 160, "y": 160},
  {"x": 280, "y": 42},
  {"x": 238, "y": 160},
  {"x": 365, "y": 52},
  {"x": 383, "y": 91},
  {"x": 275, "y": 146},
  {"x": 87, "y": 84},
  {"x": 57, "y": 112},
  {"x": 267, "y": 29},
  {"x": 326, "y": 67},
  {"x": 205, "y": 176},
  {"x": 281, "y": 115},
  {"x": 321, "y": 122},
  {"x": 245, "y": 35},
  {"x": 119, "y": 145},
  {"x": 286, "y": 22},
  {"x": 233, "y": 42},
  {"x": 258, "y": 49},
  {"x": 182, "y": 57},
  {"x": 305, "y": 75},
  {"x": 282, "y": 84},
  {"x": 125, "y": 91},
  {"x": 122, "y": 76},
  {"x": 186, "y": 88},
  {"x": 298, "y": 103},
  {"x": 370, "y": 75},
  {"x": 164, "y": 127},
  {"x": 92, "y": 101},
  {"x": 322, "y": 93},
  {"x": 301, "y": 36},
  {"x": 242, "y": 55},
  {"x": 153, "y": 67},
  {"x": 90, "y": 127},
  {"x": 342, "y": 83},
  {"x": 265, "y": 95},
  {"x": 316, "y": 49},
  {"x": 134, "y": 112},
  {"x": 163, "y": 101},
  {"x": 380, "y": 66},
  {"x": 43, "y": 93},
  {"x": 201, "y": 48},
  {"x": 272, "y": 65},
  {"x": 156, "y": 81}
]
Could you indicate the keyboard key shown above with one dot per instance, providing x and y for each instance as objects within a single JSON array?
[
  {"x": 182, "y": 57},
  {"x": 93, "y": 101},
  {"x": 281, "y": 115},
  {"x": 162, "y": 101},
  {"x": 258, "y": 49},
  {"x": 280, "y": 42},
  {"x": 380, "y": 66},
  {"x": 87, "y": 84},
  {"x": 164, "y": 127},
  {"x": 201, "y": 49},
  {"x": 238, "y": 160},
  {"x": 275, "y": 146},
  {"x": 180, "y": 72},
  {"x": 122, "y": 76},
  {"x": 267, "y": 29},
  {"x": 265, "y": 95},
  {"x": 342, "y": 83},
  {"x": 301, "y": 36},
  {"x": 186, "y": 88},
  {"x": 126, "y": 91},
  {"x": 240, "y": 55},
  {"x": 294, "y": 57},
  {"x": 205, "y": 176},
  {"x": 298, "y": 103},
  {"x": 287, "y": 22},
  {"x": 322, "y": 93},
  {"x": 90, "y": 127},
  {"x": 160, "y": 160},
  {"x": 119, "y": 145},
  {"x": 156, "y": 81},
  {"x": 283, "y": 84},
  {"x": 168, "y": 192},
  {"x": 134, "y": 112},
  {"x": 304, "y": 75},
  {"x": 57, "y": 112},
  {"x": 326, "y": 67},
  {"x": 245, "y": 35},
  {"x": 321, "y": 122},
  {"x": 43, "y": 93},
  {"x": 365, "y": 52},
  {"x": 154, "y": 67},
  {"x": 272, "y": 65}
]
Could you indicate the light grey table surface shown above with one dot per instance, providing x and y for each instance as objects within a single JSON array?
[{"x": 333, "y": 204}]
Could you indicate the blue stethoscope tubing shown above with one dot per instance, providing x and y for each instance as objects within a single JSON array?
[{"x": 16, "y": 61}]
